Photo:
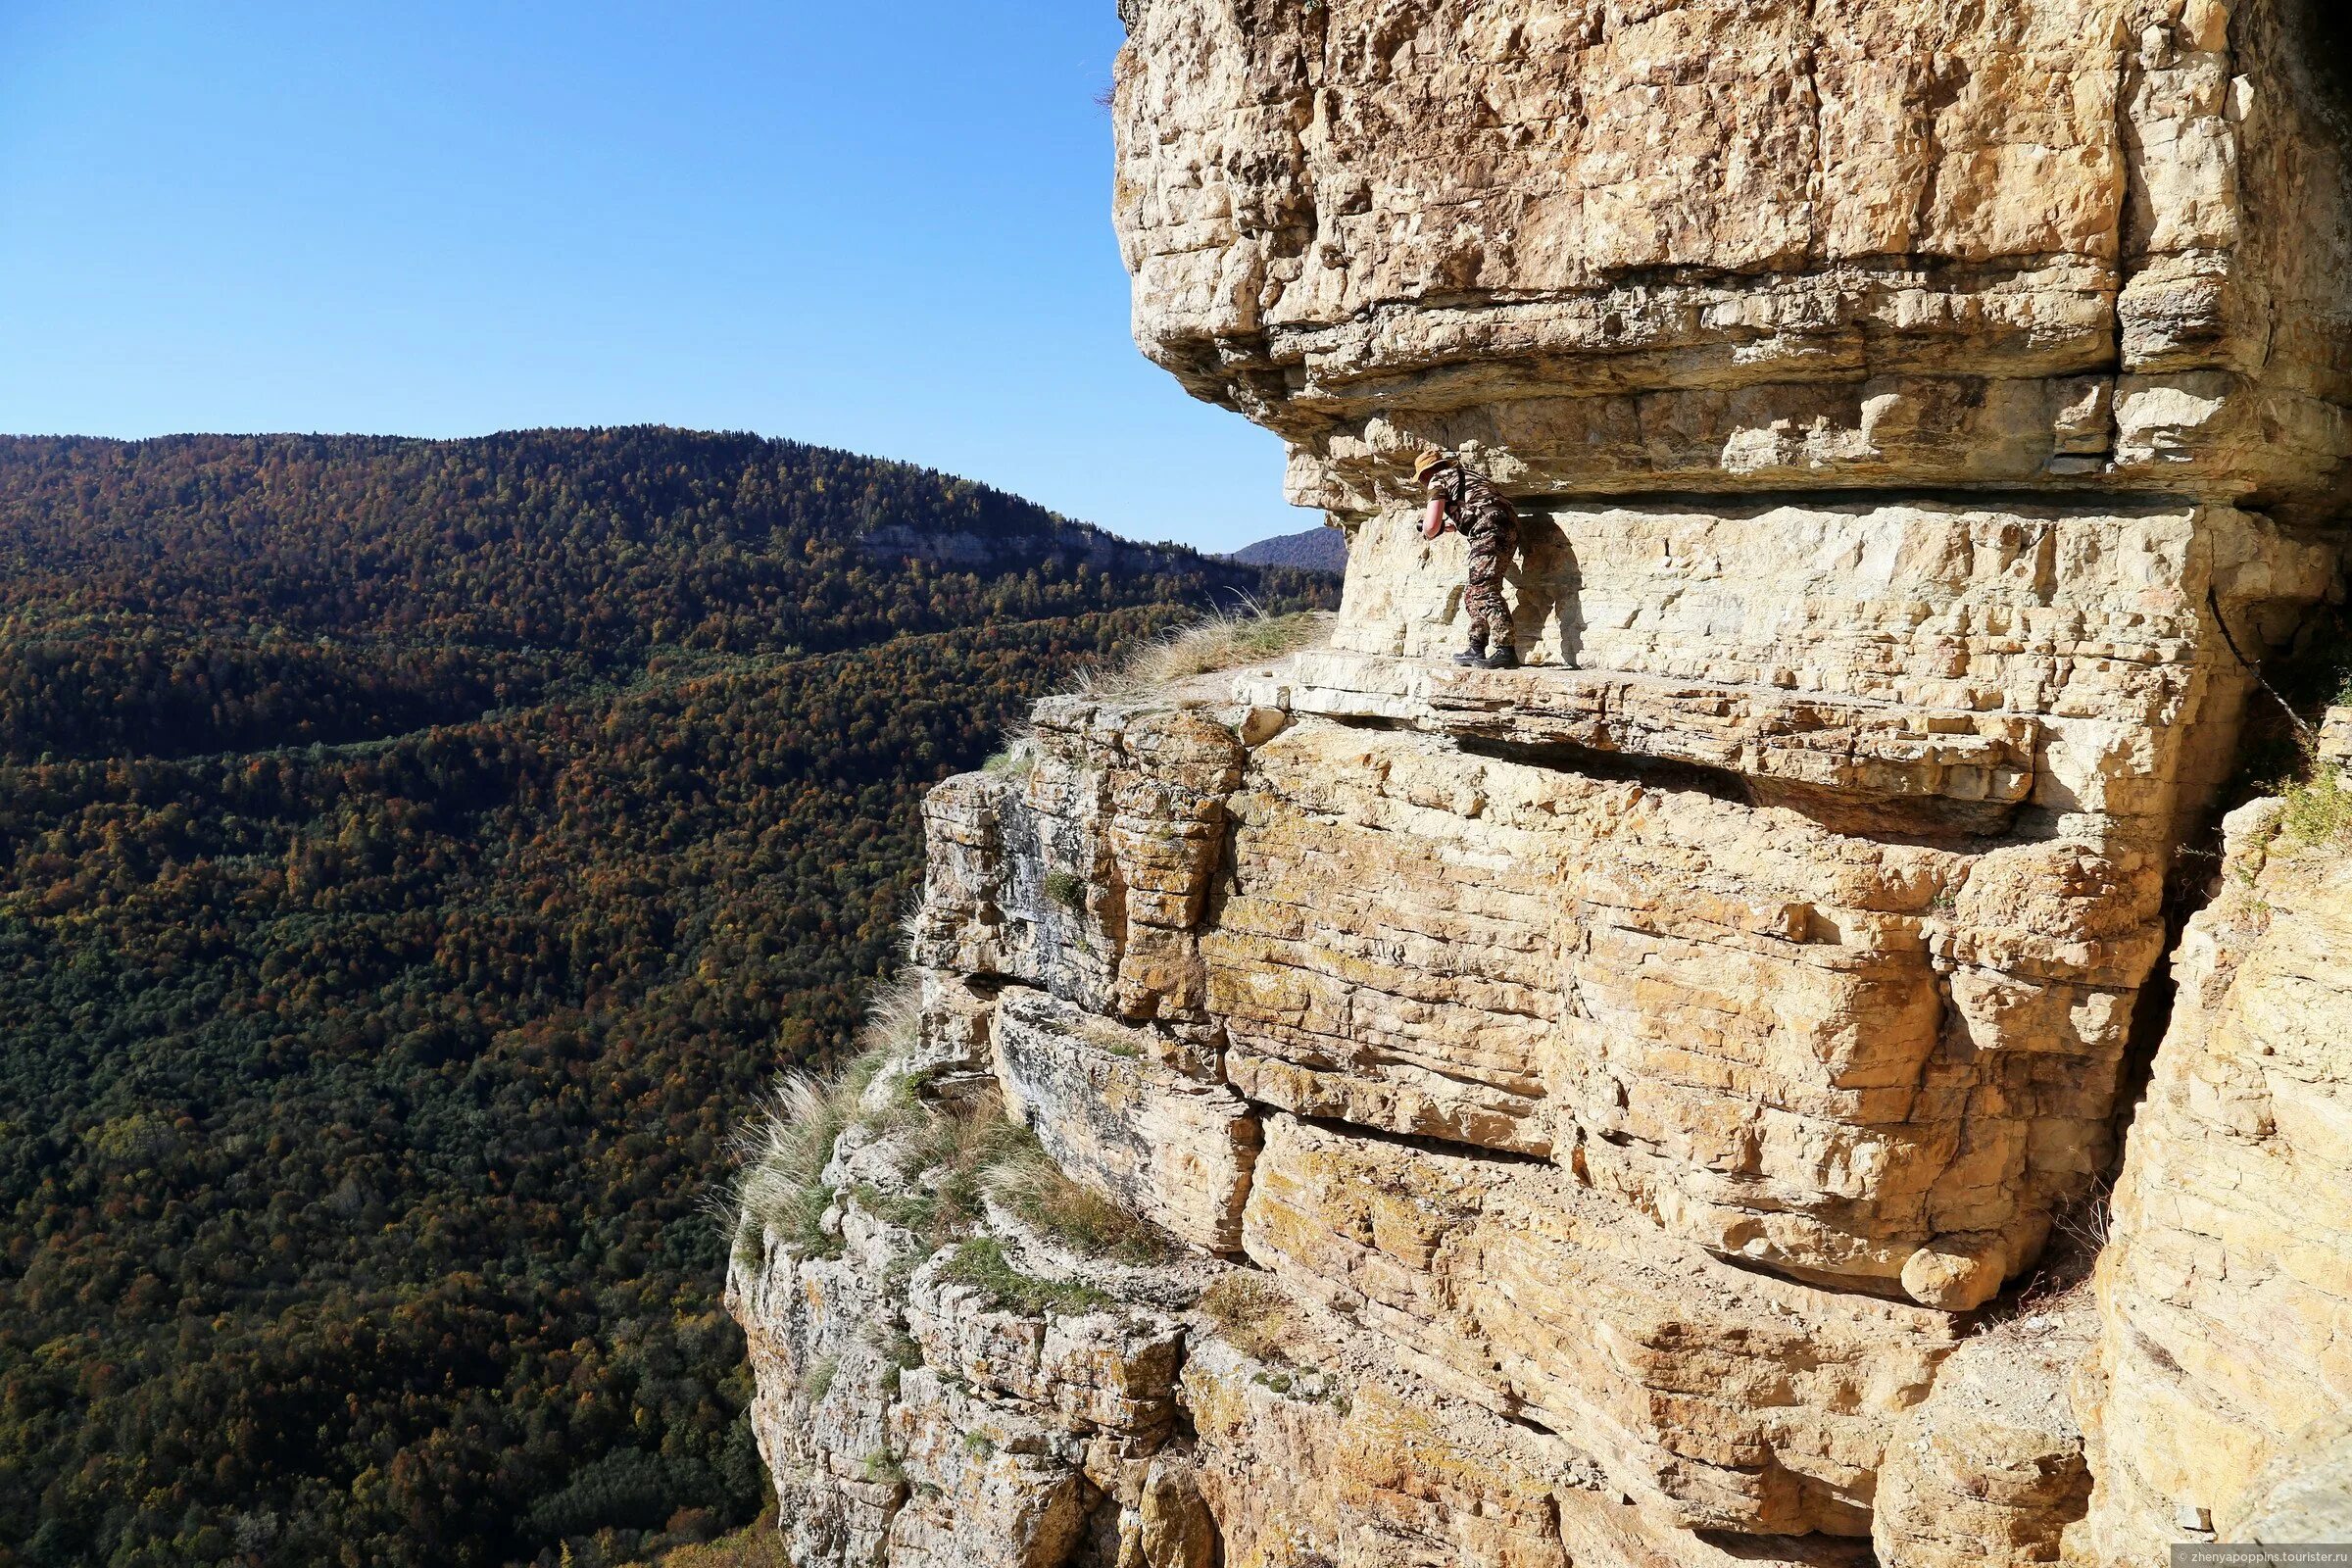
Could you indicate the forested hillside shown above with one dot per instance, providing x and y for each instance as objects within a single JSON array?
[
  {"x": 412, "y": 855},
  {"x": 1313, "y": 550}
]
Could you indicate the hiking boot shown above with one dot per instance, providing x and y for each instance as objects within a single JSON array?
[
  {"x": 1504, "y": 657},
  {"x": 1474, "y": 659}
]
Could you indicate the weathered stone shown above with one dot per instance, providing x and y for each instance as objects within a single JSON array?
[
  {"x": 2335, "y": 737},
  {"x": 1104, "y": 1371},
  {"x": 1973, "y": 657},
  {"x": 1727, "y": 1398},
  {"x": 1114, "y": 1113},
  {"x": 1370, "y": 1467},
  {"x": 1988, "y": 1471},
  {"x": 1824, "y": 1053},
  {"x": 985, "y": 1487},
  {"x": 823, "y": 1381},
  {"x": 2226, "y": 1292},
  {"x": 1777, "y": 245},
  {"x": 953, "y": 1025},
  {"x": 1920, "y": 414},
  {"x": 2302, "y": 1496},
  {"x": 1083, "y": 867}
]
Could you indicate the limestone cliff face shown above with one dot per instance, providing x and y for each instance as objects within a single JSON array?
[
  {"x": 2226, "y": 1291},
  {"x": 1644, "y": 245},
  {"x": 1591, "y": 1110}
]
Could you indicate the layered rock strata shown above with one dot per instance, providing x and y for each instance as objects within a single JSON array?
[
  {"x": 2070, "y": 245},
  {"x": 1595, "y": 1110},
  {"x": 2221, "y": 1362}
]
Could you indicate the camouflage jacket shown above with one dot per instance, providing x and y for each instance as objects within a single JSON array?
[{"x": 1471, "y": 504}]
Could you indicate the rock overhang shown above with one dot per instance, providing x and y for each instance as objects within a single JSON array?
[{"x": 2080, "y": 246}]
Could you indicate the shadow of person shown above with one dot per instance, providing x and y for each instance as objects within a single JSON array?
[{"x": 1545, "y": 588}]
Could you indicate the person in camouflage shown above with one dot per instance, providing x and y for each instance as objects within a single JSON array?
[{"x": 1463, "y": 499}]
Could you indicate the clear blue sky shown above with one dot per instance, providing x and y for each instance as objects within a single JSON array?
[{"x": 882, "y": 226}]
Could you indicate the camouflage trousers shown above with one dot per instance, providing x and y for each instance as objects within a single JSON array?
[{"x": 1492, "y": 543}]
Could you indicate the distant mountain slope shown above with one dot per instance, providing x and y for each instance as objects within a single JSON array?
[
  {"x": 412, "y": 857},
  {"x": 203, "y": 592},
  {"x": 1315, "y": 550}
]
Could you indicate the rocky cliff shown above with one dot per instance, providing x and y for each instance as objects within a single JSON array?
[{"x": 1355, "y": 1110}]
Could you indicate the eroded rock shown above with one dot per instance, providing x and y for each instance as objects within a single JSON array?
[
  {"x": 2225, "y": 1293},
  {"x": 1629, "y": 1076}
]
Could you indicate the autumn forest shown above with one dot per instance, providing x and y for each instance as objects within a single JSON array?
[{"x": 414, "y": 858}]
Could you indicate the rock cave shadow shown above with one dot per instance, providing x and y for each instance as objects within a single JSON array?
[{"x": 1929, "y": 823}]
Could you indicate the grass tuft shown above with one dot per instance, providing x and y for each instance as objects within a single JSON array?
[
  {"x": 1223, "y": 640},
  {"x": 1028, "y": 1183},
  {"x": 955, "y": 1151},
  {"x": 820, "y": 1381},
  {"x": 1066, "y": 889},
  {"x": 783, "y": 1152},
  {"x": 2318, "y": 808},
  {"x": 981, "y": 1261},
  {"x": 1251, "y": 1313},
  {"x": 781, "y": 1188}
]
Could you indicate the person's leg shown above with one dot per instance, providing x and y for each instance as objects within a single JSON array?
[
  {"x": 1474, "y": 601},
  {"x": 1490, "y": 612},
  {"x": 1476, "y": 605}
]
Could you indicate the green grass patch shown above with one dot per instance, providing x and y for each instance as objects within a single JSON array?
[
  {"x": 2318, "y": 808},
  {"x": 1067, "y": 888},
  {"x": 981, "y": 1262}
]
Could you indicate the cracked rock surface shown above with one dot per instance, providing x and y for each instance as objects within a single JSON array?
[{"x": 1614, "y": 1111}]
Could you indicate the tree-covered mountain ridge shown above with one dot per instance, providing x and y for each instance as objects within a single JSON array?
[
  {"x": 414, "y": 856},
  {"x": 204, "y": 592}
]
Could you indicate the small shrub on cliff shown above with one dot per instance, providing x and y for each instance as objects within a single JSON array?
[
  {"x": 1251, "y": 1313},
  {"x": 2318, "y": 808},
  {"x": 1065, "y": 889},
  {"x": 1029, "y": 1183}
]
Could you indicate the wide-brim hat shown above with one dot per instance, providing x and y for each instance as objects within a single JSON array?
[{"x": 1427, "y": 458}]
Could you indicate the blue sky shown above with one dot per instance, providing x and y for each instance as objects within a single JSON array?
[{"x": 880, "y": 226}]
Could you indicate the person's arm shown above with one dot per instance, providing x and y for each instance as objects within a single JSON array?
[{"x": 1435, "y": 525}]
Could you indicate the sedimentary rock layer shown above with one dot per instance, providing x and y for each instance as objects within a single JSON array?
[
  {"x": 1728, "y": 1399},
  {"x": 1843, "y": 1058},
  {"x": 1115, "y": 1107},
  {"x": 1595, "y": 1106},
  {"x": 2226, "y": 1291},
  {"x": 1699, "y": 246}
]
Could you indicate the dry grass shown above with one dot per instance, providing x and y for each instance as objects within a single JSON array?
[
  {"x": 759, "y": 1544},
  {"x": 1251, "y": 1313},
  {"x": 1030, "y": 1185},
  {"x": 783, "y": 1152},
  {"x": 2058, "y": 1286},
  {"x": 946, "y": 1165},
  {"x": 1224, "y": 640}
]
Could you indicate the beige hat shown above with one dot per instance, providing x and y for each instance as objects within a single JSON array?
[{"x": 1428, "y": 459}]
